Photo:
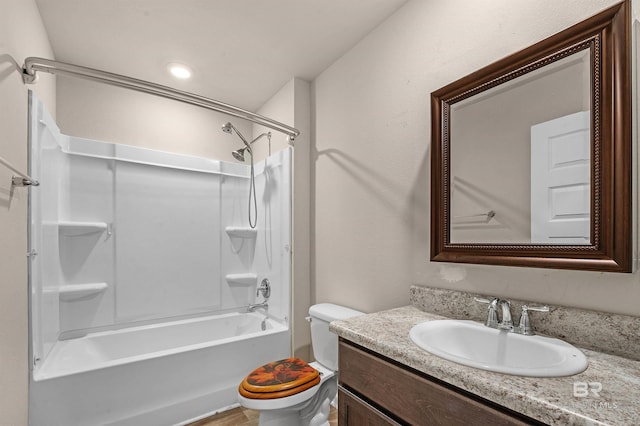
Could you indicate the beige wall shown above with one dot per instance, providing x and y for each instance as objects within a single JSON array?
[
  {"x": 291, "y": 105},
  {"x": 21, "y": 35},
  {"x": 98, "y": 111},
  {"x": 372, "y": 135}
]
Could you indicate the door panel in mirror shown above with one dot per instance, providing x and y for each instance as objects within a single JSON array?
[{"x": 560, "y": 180}]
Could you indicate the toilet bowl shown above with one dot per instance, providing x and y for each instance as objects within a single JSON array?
[{"x": 291, "y": 392}]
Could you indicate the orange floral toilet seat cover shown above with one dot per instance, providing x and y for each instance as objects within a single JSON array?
[{"x": 278, "y": 379}]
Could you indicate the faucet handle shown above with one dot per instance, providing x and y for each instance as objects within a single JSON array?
[
  {"x": 525, "y": 323},
  {"x": 265, "y": 288},
  {"x": 492, "y": 316},
  {"x": 535, "y": 308}
]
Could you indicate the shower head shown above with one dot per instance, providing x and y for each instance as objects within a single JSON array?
[
  {"x": 238, "y": 154},
  {"x": 226, "y": 128}
]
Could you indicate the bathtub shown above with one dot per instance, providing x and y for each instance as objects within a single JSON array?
[{"x": 170, "y": 373}]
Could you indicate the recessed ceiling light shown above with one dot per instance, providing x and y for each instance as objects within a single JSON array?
[{"x": 179, "y": 70}]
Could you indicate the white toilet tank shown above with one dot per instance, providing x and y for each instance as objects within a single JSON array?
[{"x": 324, "y": 342}]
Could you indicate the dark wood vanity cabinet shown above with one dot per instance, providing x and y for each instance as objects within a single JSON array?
[
  {"x": 354, "y": 411},
  {"x": 376, "y": 391}
]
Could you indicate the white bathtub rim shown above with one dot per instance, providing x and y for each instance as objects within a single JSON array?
[
  {"x": 161, "y": 322},
  {"x": 42, "y": 372}
]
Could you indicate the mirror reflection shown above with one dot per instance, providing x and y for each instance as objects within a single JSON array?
[{"x": 526, "y": 180}]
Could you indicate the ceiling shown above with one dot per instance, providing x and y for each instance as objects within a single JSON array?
[{"x": 241, "y": 51}]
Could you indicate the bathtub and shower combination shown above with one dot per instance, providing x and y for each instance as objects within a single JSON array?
[
  {"x": 142, "y": 267},
  {"x": 160, "y": 374}
]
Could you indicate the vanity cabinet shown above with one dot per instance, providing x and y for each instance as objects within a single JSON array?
[
  {"x": 352, "y": 410},
  {"x": 374, "y": 390}
]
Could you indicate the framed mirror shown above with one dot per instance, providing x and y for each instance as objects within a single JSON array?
[{"x": 531, "y": 161}]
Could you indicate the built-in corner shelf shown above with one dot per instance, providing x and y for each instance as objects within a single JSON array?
[
  {"x": 71, "y": 292},
  {"x": 241, "y": 232},
  {"x": 76, "y": 229},
  {"x": 242, "y": 279}
]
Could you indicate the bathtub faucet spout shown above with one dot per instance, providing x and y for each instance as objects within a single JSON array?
[{"x": 253, "y": 307}]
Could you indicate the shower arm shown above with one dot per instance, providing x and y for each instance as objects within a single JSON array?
[
  {"x": 248, "y": 148},
  {"x": 33, "y": 64},
  {"x": 247, "y": 144},
  {"x": 228, "y": 128},
  {"x": 267, "y": 134}
]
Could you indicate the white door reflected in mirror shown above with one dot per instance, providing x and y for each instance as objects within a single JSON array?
[{"x": 560, "y": 180}]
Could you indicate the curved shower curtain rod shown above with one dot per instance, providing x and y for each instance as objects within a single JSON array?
[{"x": 33, "y": 65}]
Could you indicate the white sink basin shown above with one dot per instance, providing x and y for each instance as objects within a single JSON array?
[{"x": 473, "y": 344}]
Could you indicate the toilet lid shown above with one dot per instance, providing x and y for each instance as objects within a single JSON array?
[{"x": 278, "y": 379}]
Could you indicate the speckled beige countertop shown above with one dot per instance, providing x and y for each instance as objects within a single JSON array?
[{"x": 550, "y": 400}]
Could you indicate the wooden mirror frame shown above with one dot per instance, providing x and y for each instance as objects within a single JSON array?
[{"x": 607, "y": 36}]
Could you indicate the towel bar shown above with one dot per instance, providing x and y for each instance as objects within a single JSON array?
[{"x": 20, "y": 180}]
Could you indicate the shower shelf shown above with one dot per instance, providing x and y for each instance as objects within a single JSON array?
[
  {"x": 242, "y": 279},
  {"x": 71, "y": 292},
  {"x": 241, "y": 232},
  {"x": 76, "y": 229}
]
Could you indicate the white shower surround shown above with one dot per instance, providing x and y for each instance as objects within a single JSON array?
[{"x": 144, "y": 261}]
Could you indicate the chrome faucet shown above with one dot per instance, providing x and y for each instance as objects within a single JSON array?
[
  {"x": 506, "y": 322},
  {"x": 253, "y": 306},
  {"x": 492, "y": 316},
  {"x": 265, "y": 289},
  {"x": 524, "y": 326}
]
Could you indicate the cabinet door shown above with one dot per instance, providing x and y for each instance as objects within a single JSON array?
[
  {"x": 415, "y": 399},
  {"x": 352, "y": 411}
]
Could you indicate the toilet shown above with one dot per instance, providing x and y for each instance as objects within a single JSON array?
[{"x": 290, "y": 392}]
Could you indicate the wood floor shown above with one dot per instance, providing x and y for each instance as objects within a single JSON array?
[{"x": 245, "y": 417}]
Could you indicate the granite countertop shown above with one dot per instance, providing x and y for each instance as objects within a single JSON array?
[{"x": 549, "y": 400}]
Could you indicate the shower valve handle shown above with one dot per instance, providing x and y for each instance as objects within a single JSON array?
[{"x": 265, "y": 289}]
